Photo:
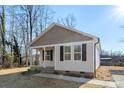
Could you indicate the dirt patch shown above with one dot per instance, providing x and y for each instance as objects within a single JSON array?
[
  {"x": 103, "y": 73},
  {"x": 13, "y": 70},
  {"x": 91, "y": 86},
  {"x": 116, "y": 68}
]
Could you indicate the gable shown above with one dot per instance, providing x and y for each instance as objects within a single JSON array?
[{"x": 58, "y": 34}]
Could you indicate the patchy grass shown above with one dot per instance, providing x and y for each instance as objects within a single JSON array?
[
  {"x": 19, "y": 78},
  {"x": 12, "y": 78},
  {"x": 21, "y": 81}
]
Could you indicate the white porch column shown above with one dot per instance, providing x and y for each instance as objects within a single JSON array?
[
  {"x": 30, "y": 57},
  {"x": 40, "y": 59},
  {"x": 72, "y": 52},
  {"x": 44, "y": 63},
  {"x": 55, "y": 58}
]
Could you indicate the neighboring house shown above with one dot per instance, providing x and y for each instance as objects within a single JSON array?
[
  {"x": 67, "y": 49},
  {"x": 106, "y": 61}
]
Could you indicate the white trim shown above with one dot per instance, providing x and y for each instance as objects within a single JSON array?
[
  {"x": 30, "y": 56},
  {"x": 67, "y": 52},
  {"x": 69, "y": 29},
  {"x": 79, "y": 52},
  {"x": 93, "y": 57},
  {"x": 55, "y": 57},
  {"x": 48, "y": 55},
  {"x": 55, "y": 53},
  {"x": 44, "y": 65},
  {"x": 40, "y": 59},
  {"x": 62, "y": 44},
  {"x": 72, "y": 53}
]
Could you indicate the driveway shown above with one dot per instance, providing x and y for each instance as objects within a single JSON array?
[{"x": 118, "y": 77}]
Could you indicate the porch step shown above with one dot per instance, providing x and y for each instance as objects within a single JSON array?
[{"x": 47, "y": 70}]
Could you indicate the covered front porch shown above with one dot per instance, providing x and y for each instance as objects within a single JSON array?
[{"x": 47, "y": 56}]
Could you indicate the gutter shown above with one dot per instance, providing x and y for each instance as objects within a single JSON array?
[{"x": 98, "y": 40}]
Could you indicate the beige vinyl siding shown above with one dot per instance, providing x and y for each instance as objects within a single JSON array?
[{"x": 58, "y": 35}]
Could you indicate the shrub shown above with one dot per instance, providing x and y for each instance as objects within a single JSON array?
[{"x": 8, "y": 59}]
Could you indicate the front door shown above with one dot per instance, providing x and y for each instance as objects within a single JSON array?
[
  {"x": 47, "y": 55},
  {"x": 48, "y": 58}
]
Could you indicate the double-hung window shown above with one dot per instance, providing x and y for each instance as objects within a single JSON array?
[
  {"x": 67, "y": 52},
  {"x": 77, "y": 52},
  {"x": 48, "y": 55}
]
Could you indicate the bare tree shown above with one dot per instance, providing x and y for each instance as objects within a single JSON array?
[
  {"x": 69, "y": 21},
  {"x": 25, "y": 23},
  {"x": 11, "y": 31},
  {"x": 2, "y": 30}
]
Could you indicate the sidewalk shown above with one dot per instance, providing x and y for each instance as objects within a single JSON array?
[{"x": 77, "y": 79}]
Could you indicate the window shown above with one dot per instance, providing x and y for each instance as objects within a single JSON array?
[
  {"x": 48, "y": 55},
  {"x": 67, "y": 52},
  {"x": 77, "y": 52}
]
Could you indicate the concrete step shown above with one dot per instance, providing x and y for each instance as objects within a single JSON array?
[{"x": 47, "y": 70}]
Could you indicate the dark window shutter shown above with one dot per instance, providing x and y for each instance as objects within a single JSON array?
[
  {"x": 51, "y": 55},
  {"x": 84, "y": 55},
  {"x": 43, "y": 55},
  {"x": 61, "y": 53}
]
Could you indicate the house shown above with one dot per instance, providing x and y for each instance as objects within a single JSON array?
[{"x": 67, "y": 49}]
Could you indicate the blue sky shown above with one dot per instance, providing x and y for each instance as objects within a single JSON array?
[{"x": 101, "y": 21}]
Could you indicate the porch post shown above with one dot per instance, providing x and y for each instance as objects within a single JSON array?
[
  {"x": 44, "y": 58},
  {"x": 40, "y": 61},
  {"x": 30, "y": 51},
  {"x": 55, "y": 54},
  {"x": 55, "y": 58}
]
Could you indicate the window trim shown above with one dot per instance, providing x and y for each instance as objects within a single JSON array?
[
  {"x": 72, "y": 52},
  {"x": 78, "y": 52},
  {"x": 46, "y": 55},
  {"x": 67, "y": 52}
]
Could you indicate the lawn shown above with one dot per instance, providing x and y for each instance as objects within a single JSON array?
[
  {"x": 13, "y": 78},
  {"x": 21, "y": 81}
]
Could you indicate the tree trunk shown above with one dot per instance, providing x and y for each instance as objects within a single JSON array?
[{"x": 2, "y": 16}]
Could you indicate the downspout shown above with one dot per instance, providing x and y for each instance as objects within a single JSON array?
[{"x": 98, "y": 40}]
